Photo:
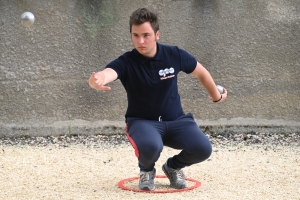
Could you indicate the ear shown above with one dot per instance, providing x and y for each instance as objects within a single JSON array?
[{"x": 157, "y": 35}]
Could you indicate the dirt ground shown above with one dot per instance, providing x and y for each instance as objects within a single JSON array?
[{"x": 80, "y": 172}]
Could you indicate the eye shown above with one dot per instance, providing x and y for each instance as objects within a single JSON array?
[{"x": 147, "y": 35}]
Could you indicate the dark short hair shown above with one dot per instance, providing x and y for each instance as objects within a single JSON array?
[{"x": 143, "y": 15}]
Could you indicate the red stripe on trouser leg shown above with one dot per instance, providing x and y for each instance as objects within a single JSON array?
[{"x": 132, "y": 142}]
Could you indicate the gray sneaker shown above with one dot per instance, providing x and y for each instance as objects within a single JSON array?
[
  {"x": 147, "y": 180},
  {"x": 176, "y": 177}
]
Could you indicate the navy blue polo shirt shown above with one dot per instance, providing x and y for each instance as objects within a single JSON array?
[{"x": 151, "y": 83}]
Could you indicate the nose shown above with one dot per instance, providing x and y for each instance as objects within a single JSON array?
[{"x": 141, "y": 40}]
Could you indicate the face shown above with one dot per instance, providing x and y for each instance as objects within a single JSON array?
[{"x": 144, "y": 39}]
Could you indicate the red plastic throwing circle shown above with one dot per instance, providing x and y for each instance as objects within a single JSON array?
[{"x": 122, "y": 186}]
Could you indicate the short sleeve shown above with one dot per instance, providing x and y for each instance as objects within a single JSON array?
[{"x": 188, "y": 62}]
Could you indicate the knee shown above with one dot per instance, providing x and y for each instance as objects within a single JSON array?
[
  {"x": 207, "y": 151},
  {"x": 203, "y": 152},
  {"x": 150, "y": 151}
]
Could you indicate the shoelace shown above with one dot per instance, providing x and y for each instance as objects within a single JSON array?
[
  {"x": 178, "y": 173},
  {"x": 144, "y": 176}
]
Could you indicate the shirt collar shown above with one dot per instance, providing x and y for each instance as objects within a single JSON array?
[{"x": 142, "y": 59}]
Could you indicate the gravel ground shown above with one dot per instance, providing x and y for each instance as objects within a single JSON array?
[
  {"x": 242, "y": 166},
  {"x": 102, "y": 141}
]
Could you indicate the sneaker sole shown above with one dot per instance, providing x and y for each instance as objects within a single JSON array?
[{"x": 147, "y": 189}]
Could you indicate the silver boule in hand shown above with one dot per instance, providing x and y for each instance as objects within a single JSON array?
[{"x": 220, "y": 88}]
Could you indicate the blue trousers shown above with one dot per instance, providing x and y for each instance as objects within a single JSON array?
[{"x": 148, "y": 138}]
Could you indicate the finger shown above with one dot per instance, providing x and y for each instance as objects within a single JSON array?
[
  {"x": 96, "y": 76},
  {"x": 104, "y": 88},
  {"x": 98, "y": 82}
]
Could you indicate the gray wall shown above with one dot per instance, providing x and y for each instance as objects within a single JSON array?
[{"x": 250, "y": 47}]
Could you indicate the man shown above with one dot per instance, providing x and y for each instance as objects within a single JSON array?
[{"x": 154, "y": 117}]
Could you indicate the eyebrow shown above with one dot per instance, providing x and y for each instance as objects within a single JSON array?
[{"x": 146, "y": 33}]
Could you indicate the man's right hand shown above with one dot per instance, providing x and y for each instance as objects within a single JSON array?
[{"x": 96, "y": 81}]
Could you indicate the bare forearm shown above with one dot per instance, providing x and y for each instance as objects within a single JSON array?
[
  {"x": 207, "y": 81},
  {"x": 209, "y": 84}
]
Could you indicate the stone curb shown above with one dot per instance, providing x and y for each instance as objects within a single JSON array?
[{"x": 105, "y": 127}]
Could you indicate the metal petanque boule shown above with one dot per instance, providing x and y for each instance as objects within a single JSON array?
[{"x": 27, "y": 19}]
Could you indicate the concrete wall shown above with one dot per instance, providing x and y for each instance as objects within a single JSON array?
[{"x": 250, "y": 47}]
